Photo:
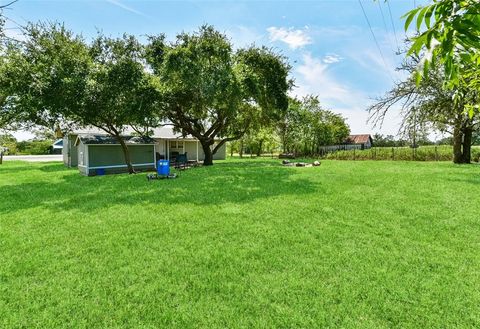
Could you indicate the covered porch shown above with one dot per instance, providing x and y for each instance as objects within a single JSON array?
[{"x": 170, "y": 149}]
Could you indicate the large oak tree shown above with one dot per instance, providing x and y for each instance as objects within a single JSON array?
[
  {"x": 216, "y": 93},
  {"x": 55, "y": 77}
]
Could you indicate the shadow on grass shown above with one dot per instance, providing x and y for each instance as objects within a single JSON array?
[{"x": 59, "y": 188}]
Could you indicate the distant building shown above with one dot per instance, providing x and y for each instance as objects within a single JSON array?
[
  {"x": 57, "y": 147},
  {"x": 364, "y": 141}
]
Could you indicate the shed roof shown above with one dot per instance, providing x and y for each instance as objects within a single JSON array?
[
  {"x": 165, "y": 132},
  {"x": 358, "y": 139},
  {"x": 106, "y": 139}
]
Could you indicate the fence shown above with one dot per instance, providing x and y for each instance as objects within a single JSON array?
[{"x": 422, "y": 153}]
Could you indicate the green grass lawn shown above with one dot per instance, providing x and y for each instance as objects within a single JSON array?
[{"x": 242, "y": 244}]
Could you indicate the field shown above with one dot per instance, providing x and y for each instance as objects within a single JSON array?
[
  {"x": 243, "y": 244},
  {"x": 422, "y": 153}
]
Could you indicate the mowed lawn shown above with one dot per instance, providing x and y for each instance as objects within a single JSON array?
[{"x": 242, "y": 244}]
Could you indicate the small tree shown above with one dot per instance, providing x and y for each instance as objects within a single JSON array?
[
  {"x": 428, "y": 102},
  {"x": 214, "y": 93},
  {"x": 307, "y": 126}
]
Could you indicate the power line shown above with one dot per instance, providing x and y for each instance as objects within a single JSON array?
[
  {"x": 393, "y": 25},
  {"x": 384, "y": 23},
  {"x": 375, "y": 39}
]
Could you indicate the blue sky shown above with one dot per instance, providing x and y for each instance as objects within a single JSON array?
[{"x": 328, "y": 43}]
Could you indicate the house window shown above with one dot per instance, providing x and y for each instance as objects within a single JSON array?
[{"x": 176, "y": 144}]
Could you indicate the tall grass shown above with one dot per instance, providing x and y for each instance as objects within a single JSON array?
[{"x": 423, "y": 153}]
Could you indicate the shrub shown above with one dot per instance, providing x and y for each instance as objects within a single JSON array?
[
  {"x": 34, "y": 147},
  {"x": 475, "y": 154}
]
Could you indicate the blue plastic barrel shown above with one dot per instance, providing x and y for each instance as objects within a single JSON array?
[
  {"x": 163, "y": 167},
  {"x": 100, "y": 171}
]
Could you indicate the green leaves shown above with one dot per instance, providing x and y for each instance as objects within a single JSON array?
[
  {"x": 409, "y": 17},
  {"x": 421, "y": 16},
  {"x": 453, "y": 37},
  {"x": 210, "y": 90},
  {"x": 307, "y": 126}
]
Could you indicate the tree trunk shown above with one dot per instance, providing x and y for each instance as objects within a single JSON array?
[
  {"x": 259, "y": 149},
  {"x": 126, "y": 154},
  {"x": 467, "y": 145},
  {"x": 207, "y": 151},
  {"x": 240, "y": 152},
  {"x": 457, "y": 145}
]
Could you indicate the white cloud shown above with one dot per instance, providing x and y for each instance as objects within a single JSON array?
[
  {"x": 125, "y": 7},
  {"x": 293, "y": 38},
  {"x": 314, "y": 76},
  {"x": 331, "y": 59}
]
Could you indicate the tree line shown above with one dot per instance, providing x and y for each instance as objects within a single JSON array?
[{"x": 304, "y": 129}]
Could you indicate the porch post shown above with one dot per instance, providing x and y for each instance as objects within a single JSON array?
[
  {"x": 154, "y": 156},
  {"x": 197, "y": 150},
  {"x": 167, "y": 148}
]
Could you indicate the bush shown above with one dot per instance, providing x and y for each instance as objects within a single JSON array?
[
  {"x": 475, "y": 154},
  {"x": 34, "y": 147}
]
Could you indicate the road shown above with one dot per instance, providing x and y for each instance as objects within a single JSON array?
[{"x": 33, "y": 158}]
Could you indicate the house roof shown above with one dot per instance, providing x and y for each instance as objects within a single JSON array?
[
  {"x": 105, "y": 139},
  {"x": 358, "y": 139}
]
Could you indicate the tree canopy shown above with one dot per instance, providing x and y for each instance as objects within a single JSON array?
[
  {"x": 55, "y": 78},
  {"x": 213, "y": 92},
  {"x": 448, "y": 32},
  {"x": 307, "y": 126}
]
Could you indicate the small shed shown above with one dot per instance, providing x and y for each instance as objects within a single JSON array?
[
  {"x": 103, "y": 153},
  {"x": 364, "y": 141}
]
